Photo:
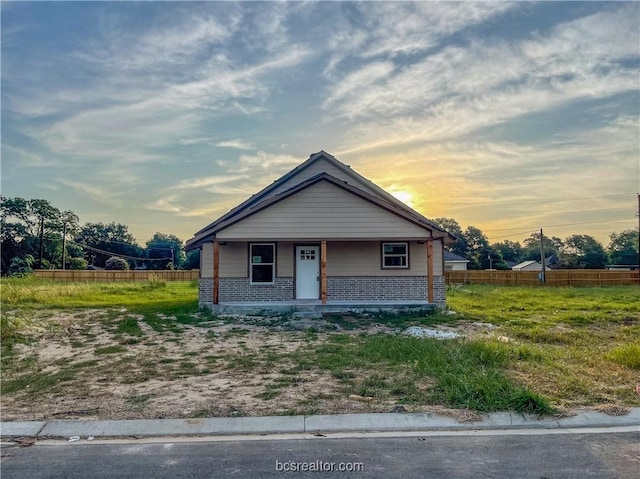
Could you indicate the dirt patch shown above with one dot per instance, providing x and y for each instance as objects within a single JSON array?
[{"x": 215, "y": 368}]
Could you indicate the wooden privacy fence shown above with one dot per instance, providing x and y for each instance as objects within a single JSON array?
[
  {"x": 117, "y": 275},
  {"x": 556, "y": 277}
]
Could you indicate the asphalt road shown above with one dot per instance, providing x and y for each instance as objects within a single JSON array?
[{"x": 527, "y": 456}]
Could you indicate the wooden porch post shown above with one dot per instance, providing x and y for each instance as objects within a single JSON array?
[
  {"x": 430, "y": 270},
  {"x": 323, "y": 271},
  {"x": 216, "y": 272}
]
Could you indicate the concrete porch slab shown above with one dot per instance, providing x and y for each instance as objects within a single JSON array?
[{"x": 316, "y": 306}]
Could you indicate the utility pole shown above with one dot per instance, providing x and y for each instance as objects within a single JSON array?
[
  {"x": 41, "y": 243},
  {"x": 638, "y": 238},
  {"x": 64, "y": 245},
  {"x": 544, "y": 269}
]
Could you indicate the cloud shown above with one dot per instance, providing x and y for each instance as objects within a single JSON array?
[
  {"x": 235, "y": 143},
  {"x": 458, "y": 89},
  {"x": 260, "y": 163},
  {"x": 94, "y": 192},
  {"x": 167, "y": 204},
  {"x": 202, "y": 182},
  {"x": 358, "y": 79},
  {"x": 407, "y": 28},
  {"x": 509, "y": 185},
  {"x": 28, "y": 159}
]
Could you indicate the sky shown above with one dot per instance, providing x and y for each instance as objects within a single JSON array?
[{"x": 163, "y": 116}]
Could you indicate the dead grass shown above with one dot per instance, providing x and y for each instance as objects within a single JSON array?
[{"x": 134, "y": 362}]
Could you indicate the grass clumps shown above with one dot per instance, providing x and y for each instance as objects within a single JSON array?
[
  {"x": 626, "y": 355},
  {"x": 456, "y": 373}
]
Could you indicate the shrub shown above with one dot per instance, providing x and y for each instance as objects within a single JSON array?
[
  {"x": 21, "y": 266},
  {"x": 115, "y": 262},
  {"x": 76, "y": 263}
]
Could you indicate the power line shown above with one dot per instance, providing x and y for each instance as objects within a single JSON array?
[
  {"x": 511, "y": 235},
  {"x": 564, "y": 224},
  {"x": 91, "y": 248}
]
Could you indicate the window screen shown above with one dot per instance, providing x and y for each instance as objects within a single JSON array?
[
  {"x": 262, "y": 262},
  {"x": 395, "y": 255}
]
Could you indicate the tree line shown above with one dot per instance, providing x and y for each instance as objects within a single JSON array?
[
  {"x": 576, "y": 251},
  {"x": 34, "y": 234}
]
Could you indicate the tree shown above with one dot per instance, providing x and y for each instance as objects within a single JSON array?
[
  {"x": 31, "y": 227},
  {"x": 510, "y": 250},
  {"x": 531, "y": 247},
  {"x": 113, "y": 238},
  {"x": 452, "y": 226},
  {"x": 478, "y": 250},
  {"x": 583, "y": 252},
  {"x": 115, "y": 262},
  {"x": 193, "y": 260},
  {"x": 167, "y": 246},
  {"x": 21, "y": 265},
  {"x": 623, "y": 247},
  {"x": 77, "y": 263}
]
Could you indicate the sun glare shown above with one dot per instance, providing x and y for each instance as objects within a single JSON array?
[{"x": 403, "y": 196}]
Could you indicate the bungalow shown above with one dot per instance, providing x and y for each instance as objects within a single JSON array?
[
  {"x": 454, "y": 262},
  {"x": 528, "y": 266},
  {"x": 321, "y": 234}
]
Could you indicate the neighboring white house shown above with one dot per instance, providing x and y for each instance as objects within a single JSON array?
[
  {"x": 321, "y": 232},
  {"x": 528, "y": 266},
  {"x": 454, "y": 262}
]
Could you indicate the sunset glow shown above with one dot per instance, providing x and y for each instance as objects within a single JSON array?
[{"x": 509, "y": 116}]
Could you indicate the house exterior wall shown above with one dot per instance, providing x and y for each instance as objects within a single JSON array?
[
  {"x": 363, "y": 258},
  {"x": 354, "y": 273},
  {"x": 322, "y": 166},
  {"x": 456, "y": 265},
  {"x": 206, "y": 261},
  {"x": 326, "y": 211}
]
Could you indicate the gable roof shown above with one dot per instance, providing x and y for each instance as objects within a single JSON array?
[
  {"x": 267, "y": 197},
  {"x": 449, "y": 256},
  {"x": 526, "y": 264}
]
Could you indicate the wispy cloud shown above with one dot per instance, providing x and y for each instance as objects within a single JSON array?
[
  {"x": 92, "y": 191},
  {"x": 167, "y": 204},
  {"x": 202, "y": 182},
  {"x": 235, "y": 143},
  {"x": 260, "y": 163},
  {"x": 459, "y": 89}
]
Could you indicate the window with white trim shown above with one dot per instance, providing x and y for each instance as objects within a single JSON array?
[
  {"x": 395, "y": 255},
  {"x": 262, "y": 263}
]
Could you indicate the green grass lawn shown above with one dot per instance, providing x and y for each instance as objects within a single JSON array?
[
  {"x": 577, "y": 346},
  {"x": 541, "y": 348},
  {"x": 33, "y": 293}
]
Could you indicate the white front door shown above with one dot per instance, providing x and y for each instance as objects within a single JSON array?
[{"x": 307, "y": 272}]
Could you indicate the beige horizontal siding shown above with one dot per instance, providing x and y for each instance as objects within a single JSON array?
[
  {"x": 363, "y": 258},
  {"x": 206, "y": 261},
  {"x": 234, "y": 260},
  {"x": 344, "y": 258},
  {"x": 323, "y": 211},
  {"x": 322, "y": 166},
  {"x": 437, "y": 258},
  {"x": 285, "y": 259}
]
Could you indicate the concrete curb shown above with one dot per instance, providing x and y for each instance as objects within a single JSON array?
[{"x": 306, "y": 424}]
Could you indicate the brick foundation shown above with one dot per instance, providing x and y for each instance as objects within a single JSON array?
[
  {"x": 377, "y": 288},
  {"x": 339, "y": 288},
  {"x": 233, "y": 290},
  {"x": 439, "y": 291}
]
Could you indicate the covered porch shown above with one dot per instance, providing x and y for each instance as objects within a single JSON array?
[{"x": 323, "y": 275}]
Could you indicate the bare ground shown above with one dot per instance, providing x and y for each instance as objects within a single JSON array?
[{"x": 112, "y": 364}]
